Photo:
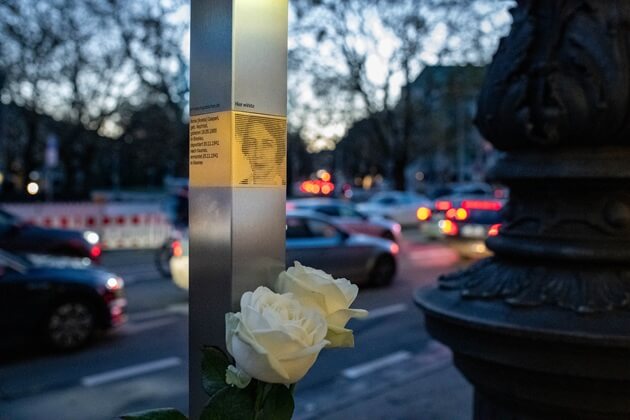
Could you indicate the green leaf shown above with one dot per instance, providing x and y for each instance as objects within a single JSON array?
[
  {"x": 230, "y": 403},
  {"x": 278, "y": 404},
  {"x": 213, "y": 367},
  {"x": 157, "y": 414}
]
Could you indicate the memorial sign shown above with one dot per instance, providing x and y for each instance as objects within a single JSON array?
[{"x": 237, "y": 166}]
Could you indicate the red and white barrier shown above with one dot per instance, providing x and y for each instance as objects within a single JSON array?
[{"x": 119, "y": 225}]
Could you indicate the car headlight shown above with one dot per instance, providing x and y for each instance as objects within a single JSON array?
[
  {"x": 114, "y": 283},
  {"x": 91, "y": 237}
]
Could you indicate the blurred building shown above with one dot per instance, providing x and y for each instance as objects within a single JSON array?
[
  {"x": 444, "y": 147},
  {"x": 69, "y": 162},
  {"x": 449, "y": 146}
]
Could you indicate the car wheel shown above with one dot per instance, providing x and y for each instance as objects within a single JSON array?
[
  {"x": 383, "y": 271},
  {"x": 162, "y": 260},
  {"x": 70, "y": 325}
]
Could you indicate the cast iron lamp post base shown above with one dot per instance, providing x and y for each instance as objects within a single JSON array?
[
  {"x": 542, "y": 363},
  {"x": 542, "y": 329}
]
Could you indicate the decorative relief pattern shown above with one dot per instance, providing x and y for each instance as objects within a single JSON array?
[
  {"x": 560, "y": 77},
  {"x": 586, "y": 291},
  {"x": 593, "y": 214}
]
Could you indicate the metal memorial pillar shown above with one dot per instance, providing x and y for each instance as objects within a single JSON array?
[
  {"x": 238, "y": 76},
  {"x": 542, "y": 329}
]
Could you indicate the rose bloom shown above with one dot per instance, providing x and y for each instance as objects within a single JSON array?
[
  {"x": 331, "y": 297},
  {"x": 274, "y": 338}
]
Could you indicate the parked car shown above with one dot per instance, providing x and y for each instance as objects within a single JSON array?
[
  {"x": 346, "y": 216},
  {"x": 20, "y": 237},
  {"x": 399, "y": 206},
  {"x": 62, "y": 306},
  {"x": 314, "y": 241}
]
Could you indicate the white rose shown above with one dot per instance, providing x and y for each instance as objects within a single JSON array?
[
  {"x": 331, "y": 297},
  {"x": 274, "y": 338}
]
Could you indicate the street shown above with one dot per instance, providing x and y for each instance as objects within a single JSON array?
[{"x": 144, "y": 364}]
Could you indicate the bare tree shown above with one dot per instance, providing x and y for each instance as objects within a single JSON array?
[
  {"x": 359, "y": 58},
  {"x": 92, "y": 64}
]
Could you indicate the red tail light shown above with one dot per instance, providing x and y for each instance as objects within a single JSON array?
[
  {"x": 494, "y": 230},
  {"x": 457, "y": 214},
  {"x": 443, "y": 205},
  {"x": 394, "y": 248},
  {"x": 178, "y": 251},
  {"x": 448, "y": 227},
  {"x": 95, "y": 251},
  {"x": 317, "y": 186},
  {"x": 481, "y": 205}
]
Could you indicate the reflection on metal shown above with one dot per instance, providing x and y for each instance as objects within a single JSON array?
[
  {"x": 239, "y": 56},
  {"x": 237, "y": 162},
  {"x": 542, "y": 329}
]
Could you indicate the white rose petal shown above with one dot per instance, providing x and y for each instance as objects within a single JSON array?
[
  {"x": 331, "y": 297},
  {"x": 274, "y": 338}
]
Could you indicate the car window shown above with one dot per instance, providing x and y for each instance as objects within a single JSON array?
[
  {"x": 329, "y": 210},
  {"x": 387, "y": 200},
  {"x": 320, "y": 229},
  {"x": 346, "y": 211},
  {"x": 296, "y": 228}
]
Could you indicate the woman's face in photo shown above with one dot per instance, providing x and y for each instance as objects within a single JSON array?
[{"x": 260, "y": 148}]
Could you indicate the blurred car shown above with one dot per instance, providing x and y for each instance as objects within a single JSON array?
[
  {"x": 316, "y": 242},
  {"x": 469, "y": 222},
  {"x": 430, "y": 216},
  {"x": 168, "y": 249},
  {"x": 399, "y": 206},
  {"x": 20, "y": 237},
  {"x": 178, "y": 263},
  {"x": 63, "y": 305},
  {"x": 345, "y": 215}
]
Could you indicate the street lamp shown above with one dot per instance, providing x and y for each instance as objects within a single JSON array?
[
  {"x": 542, "y": 329},
  {"x": 32, "y": 188}
]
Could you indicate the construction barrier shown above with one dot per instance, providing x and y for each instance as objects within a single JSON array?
[{"x": 119, "y": 225}]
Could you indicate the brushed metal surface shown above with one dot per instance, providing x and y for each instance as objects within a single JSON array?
[
  {"x": 237, "y": 243},
  {"x": 210, "y": 279},
  {"x": 211, "y": 56},
  {"x": 239, "y": 56},
  {"x": 260, "y": 56},
  {"x": 258, "y": 238}
]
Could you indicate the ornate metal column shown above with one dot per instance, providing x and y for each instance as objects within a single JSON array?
[{"x": 542, "y": 329}]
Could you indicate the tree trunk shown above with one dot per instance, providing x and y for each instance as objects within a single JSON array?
[
  {"x": 398, "y": 173},
  {"x": 28, "y": 160}
]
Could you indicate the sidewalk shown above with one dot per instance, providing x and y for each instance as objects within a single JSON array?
[{"x": 424, "y": 387}]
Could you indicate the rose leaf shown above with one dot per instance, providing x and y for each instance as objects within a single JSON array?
[
  {"x": 157, "y": 414},
  {"x": 278, "y": 404},
  {"x": 230, "y": 403},
  {"x": 213, "y": 367}
]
